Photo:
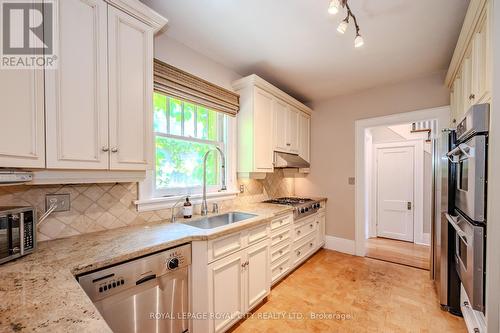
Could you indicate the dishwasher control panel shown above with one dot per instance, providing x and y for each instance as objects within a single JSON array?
[{"x": 114, "y": 279}]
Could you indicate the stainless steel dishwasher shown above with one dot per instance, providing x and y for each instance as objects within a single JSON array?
[{"x": 148, "y": 294}]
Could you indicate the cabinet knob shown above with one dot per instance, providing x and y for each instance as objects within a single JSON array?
[
  {"x": 114, "y": 149},
  {"x": 105, "y": 149},
  {"x": 472, "y": 97},
  {"x": 288, "y": 144}
]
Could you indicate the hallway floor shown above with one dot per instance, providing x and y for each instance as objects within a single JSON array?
[
  {"x": 399, "y": 252},
  {"x": 356, "y": 295}
]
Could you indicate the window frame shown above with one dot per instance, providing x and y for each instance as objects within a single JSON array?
[{"x": 152, "y": 198}]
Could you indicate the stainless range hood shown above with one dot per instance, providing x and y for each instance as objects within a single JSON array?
[
  {"x": 285, "y": 161},
  {"x": 11, "y": 177}
]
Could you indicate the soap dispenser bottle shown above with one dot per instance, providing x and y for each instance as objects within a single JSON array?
[{"x": 187, "y": 210}]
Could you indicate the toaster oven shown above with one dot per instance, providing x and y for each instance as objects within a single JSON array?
[{"x": 17, "y": 232}]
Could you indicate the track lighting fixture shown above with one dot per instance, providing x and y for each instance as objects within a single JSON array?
[{"x": 334, "y": 8}]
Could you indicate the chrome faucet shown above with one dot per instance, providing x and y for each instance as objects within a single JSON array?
[{"x": 204, "y": 205}]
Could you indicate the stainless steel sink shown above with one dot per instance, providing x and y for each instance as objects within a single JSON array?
[{"x": 220, "y": 220}]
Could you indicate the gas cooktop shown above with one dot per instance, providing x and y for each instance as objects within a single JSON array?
[{"x": 302, "y": 206}]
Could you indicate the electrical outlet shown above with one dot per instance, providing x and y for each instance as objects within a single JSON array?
[
  {"x": 242, "y": 188},
  {"x": 62, "y": 202}
]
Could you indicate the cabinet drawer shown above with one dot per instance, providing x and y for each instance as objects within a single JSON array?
[
  {"x": 280, "y": 251},
  {"x": 280, "y": 269},
  {"x": 304, "y": 230},
  {"x": 281, "y": 222},
  {"x": 303, "y": 250},
  {"x": 257, "y": 234},
  {"x": 221, "y": 247},
  {"x": 281, "y": 237}
]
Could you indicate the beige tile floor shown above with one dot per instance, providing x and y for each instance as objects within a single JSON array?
[{"x": 366, "y": 295}]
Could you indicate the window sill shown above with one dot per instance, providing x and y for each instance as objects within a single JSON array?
[{"x": 168, "y": 202}]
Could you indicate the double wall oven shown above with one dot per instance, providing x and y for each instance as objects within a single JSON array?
[{"x": 469, "y": 158}]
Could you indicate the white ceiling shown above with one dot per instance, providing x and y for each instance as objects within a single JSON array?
[{"x": 294, "y": 43}]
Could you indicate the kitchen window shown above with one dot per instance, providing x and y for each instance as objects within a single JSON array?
[
  {"x": 184, "y": 132},
  {"x": 190, "y": 117}
]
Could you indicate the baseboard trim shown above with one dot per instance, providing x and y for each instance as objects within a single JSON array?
[{"x": 340, "y": 244}]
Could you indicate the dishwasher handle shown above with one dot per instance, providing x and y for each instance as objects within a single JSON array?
[{"x": 145, "y": 279}]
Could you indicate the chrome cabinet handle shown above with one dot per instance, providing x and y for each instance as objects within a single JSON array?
[
  {"x": 288, "y": 144},
  {"x": 105, "y": 149},
  {"x": 114, "y": 149}
]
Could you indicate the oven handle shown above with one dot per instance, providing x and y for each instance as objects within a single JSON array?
[
  {"x": 454, "y": 223},
  {"x": 461, "y": 149}
]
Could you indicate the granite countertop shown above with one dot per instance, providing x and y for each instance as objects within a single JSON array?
[{"x": 39, "y": 292}]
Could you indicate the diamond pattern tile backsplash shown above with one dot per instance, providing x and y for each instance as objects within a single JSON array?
[{"x": 98, "y": 207}]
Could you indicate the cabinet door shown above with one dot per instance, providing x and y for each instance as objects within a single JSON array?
[
  {"x": 226, "y": 281},
  {"x": 304, "y": 136},
  {"x": 293, "y": 130},
  {"x": 258, "y": 274},
  {"x": 458, "y": 105},
  {"x": 77, "y": 91},
  {"x": 321, "y": 221},
  {"x": 263, "y": 131},
  {"x": 480, "y": 74},
  {"x": 280, "y": 112},
  {"x": 22, "y": 139},
  {"x": 130, "y": 91},
  {"x": 466, "y": 86}
]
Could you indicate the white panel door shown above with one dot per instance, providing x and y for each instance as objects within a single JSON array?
[
  {"x": 77, "y": 91},
  {"x": 258, "y": 274},
  {"x": 226, "y": 280},
  {"x": 304, "y": 136},
  {"x": 22, "y": 135},
  {"x": 280, "y": 112},
  {"x": 395, "y": 192},
  {"x": 130, "y": 91},
  {"x": 263, "y": 131},
  {"x": 293, "y": 130}
]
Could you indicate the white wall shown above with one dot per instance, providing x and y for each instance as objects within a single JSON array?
[
  {"x": 332, "y": 141},
  {"x": 177, "y": 54}
]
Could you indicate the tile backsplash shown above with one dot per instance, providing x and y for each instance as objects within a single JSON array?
[{"x": 98, "y": 207}]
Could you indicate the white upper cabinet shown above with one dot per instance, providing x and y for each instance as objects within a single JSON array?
[
  {"x": 469, "y": 73},
  {"x": 305, "y": 136},
  {"x": 99, "y": 99},
  {"x": 130, "y": 91},
  {"x": 293, "y": 130},
  {"x": 263, "y": 130},
  {"x": 22, "y": 139},
  {"x": 269, "y": 120},
  {"x": 77, "y": 91},
  {"x": 280, "y": 111}
]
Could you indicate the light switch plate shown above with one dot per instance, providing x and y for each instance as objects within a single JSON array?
[
  {"x": 62, "y": 202},
  {"x": 351, "y": 181}
]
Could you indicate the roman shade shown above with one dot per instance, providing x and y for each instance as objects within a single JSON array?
[{"x": 177, "y": 83}]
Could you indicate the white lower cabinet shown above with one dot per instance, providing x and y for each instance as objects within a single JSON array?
[
  {"x": 258, "y": 275},
  {"x": 239, "y": 282},
  {"x": 227, "y": 297},
  {"x": 232, "y": 274}
]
